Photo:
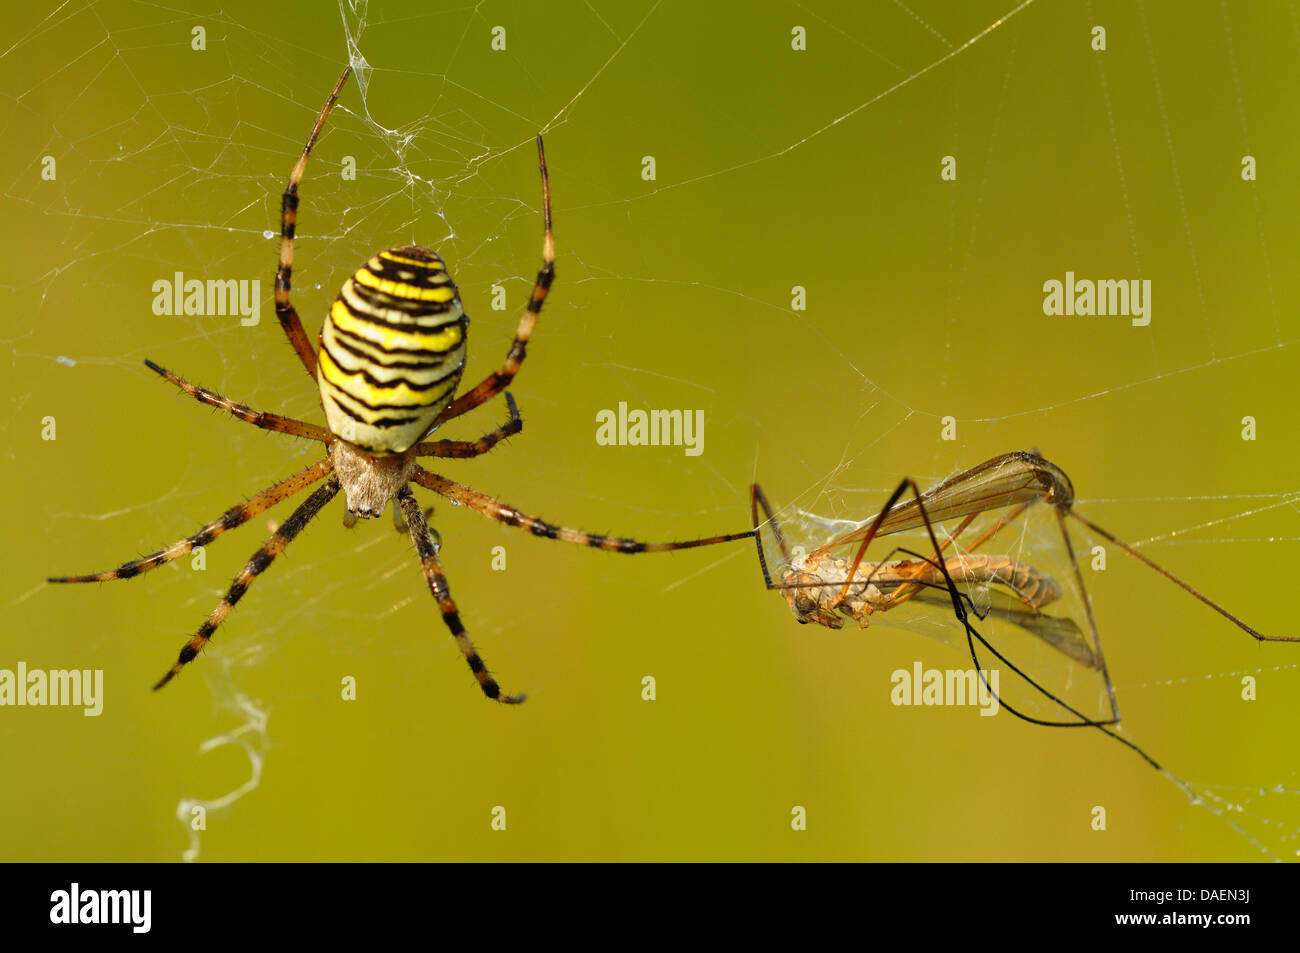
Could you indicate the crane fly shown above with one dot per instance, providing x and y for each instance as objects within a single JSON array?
[{"x": 826, "y": 589}]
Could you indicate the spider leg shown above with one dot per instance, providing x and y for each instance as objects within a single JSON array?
[
  {"x": 504, "y": 513},
  {"x": 467, "y": 448},
  {"x": 235, "y": 516},
  {"x": 296, "y": 428},
  {"x": 258, "y": 564},
  {"x": 499, "y": 380},
  {"x": 284, "y": 310},
  {"x": 428, "y": 550}
]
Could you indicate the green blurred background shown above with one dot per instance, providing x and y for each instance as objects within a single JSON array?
[{"x": 924, "y": 300}]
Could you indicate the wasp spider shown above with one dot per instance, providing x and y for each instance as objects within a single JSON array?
[{"x": 392, "y": 349}]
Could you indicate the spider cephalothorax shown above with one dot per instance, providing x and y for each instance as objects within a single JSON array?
[
  {"x": 392, "y": 349},
  {"x": 370, "y": 481}
]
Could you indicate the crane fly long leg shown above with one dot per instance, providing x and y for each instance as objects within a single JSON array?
[{"x": 1250, "y": 630}]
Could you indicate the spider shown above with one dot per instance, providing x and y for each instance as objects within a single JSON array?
[{"x": 391, "y": 353}]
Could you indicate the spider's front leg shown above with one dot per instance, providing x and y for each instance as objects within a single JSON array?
[
  {"x": 284, "y": 309},
  {"x": 504, "y": 513}
]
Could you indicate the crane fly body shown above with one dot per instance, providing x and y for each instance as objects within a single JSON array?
[
  {"x": 814, "y": 584},
  {"x": 826, "y": 589}
]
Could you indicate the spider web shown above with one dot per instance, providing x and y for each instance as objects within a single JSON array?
[{"x": 775, "y": 168}]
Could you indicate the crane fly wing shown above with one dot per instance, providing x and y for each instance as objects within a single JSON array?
[
  {"x": 1003, "y": 481},
  {"x": 1062, "y": 634}
]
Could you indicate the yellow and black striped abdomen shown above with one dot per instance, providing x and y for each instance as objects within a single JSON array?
[{"x": 392, "y": 350}]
